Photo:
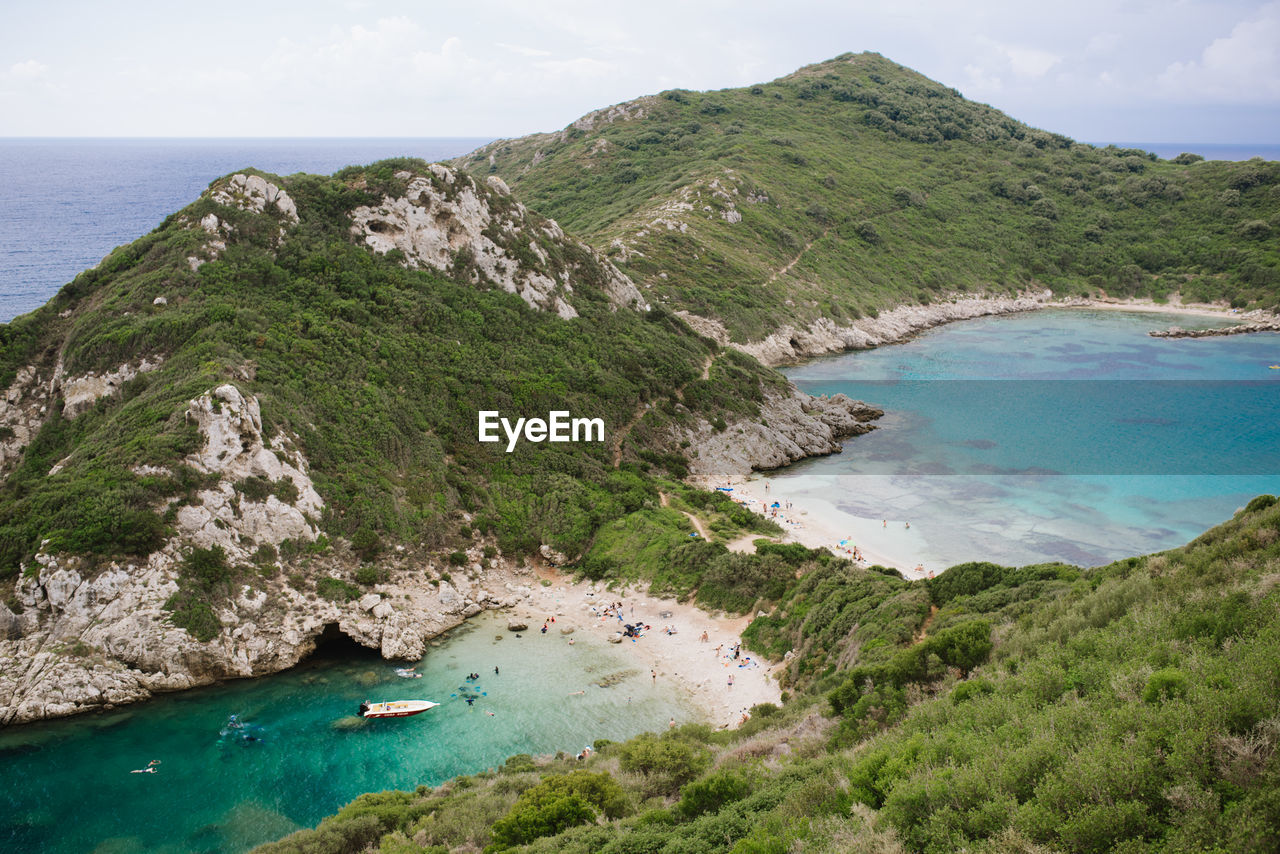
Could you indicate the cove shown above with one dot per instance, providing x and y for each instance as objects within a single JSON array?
[
  {"x": 69, "y": 787},
  {"x": 1056, "y": 435}
]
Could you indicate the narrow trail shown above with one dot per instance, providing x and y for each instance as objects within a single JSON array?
[
  {"x": 786, "y": 268},
  {"x": 665, "y": 501},
  {"x": 615, "y": 446},
  {"x": 924, "y": 627}
]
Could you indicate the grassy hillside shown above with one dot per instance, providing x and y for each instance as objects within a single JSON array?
[
  {"x": 1134, "y": 707},
  {"x": 861, "y": 185},
  {"x": 378, "y": 370}
]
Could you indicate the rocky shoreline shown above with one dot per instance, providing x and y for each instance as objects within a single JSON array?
[
  {"x": 791, "y": 344},
  {"x": 1241, "y": 329}
]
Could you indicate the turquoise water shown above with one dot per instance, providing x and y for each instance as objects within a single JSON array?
[
  {"x": 68, "y": 786},
  {"x": 1054, "y": 435}
]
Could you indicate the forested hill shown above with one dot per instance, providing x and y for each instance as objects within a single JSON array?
[{"x": 857, "y": 184}]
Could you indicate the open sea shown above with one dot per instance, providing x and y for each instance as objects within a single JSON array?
[{"x": 66, "y": 203}]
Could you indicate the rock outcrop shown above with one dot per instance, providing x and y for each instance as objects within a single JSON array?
[
  {"x": 28, "y": 401},
  {"x": 254, "y": 193},
  {"x": 790, "y": 344},
  {"x": 1239, "y": 329},
  {"x": 792, "y": 425},
  {"x": 91, "y": 638},
  {"x": 235, "y": 450},
  {"x": 80, "y": 393},
  {"x": 446, "y": 219},
  {"x": 251, "y": 193}
]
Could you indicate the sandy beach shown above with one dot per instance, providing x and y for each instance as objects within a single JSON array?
[
  {"x": 817, "y": 524},
  {"x": 700, "y": 669},
  {"x": 1173, "y": 307}
]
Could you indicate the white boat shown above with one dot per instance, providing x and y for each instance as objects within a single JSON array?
[{"x": 395, "y": 708}]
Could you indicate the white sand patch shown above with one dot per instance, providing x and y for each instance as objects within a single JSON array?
[
  {"x": 681, "y": 659},
  {"x": 818, "y": 524}
]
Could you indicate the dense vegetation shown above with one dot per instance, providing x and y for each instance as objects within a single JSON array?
[
  {"x": 1132, "y": 707},
  {"x": 377, "y": 369},
  {"x": 883, "y": 187}
]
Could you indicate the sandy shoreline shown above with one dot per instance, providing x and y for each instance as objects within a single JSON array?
[
  {"x": 681, "y": 659},
  {"x": 1147, "y": 306},
  {"x": 819, "y": 524}
]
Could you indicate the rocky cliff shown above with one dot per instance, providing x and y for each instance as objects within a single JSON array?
[{"x": 446, "y": 218}]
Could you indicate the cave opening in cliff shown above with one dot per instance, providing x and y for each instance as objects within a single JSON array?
[{"x": 334, "y": 644}]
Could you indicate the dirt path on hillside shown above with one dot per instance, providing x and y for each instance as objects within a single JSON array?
[
  {"x": 786, "y": 268},
  {"x": 924, "y": 627},
  {"x": 615, "y": 446},
  {"x": 665, "y": 500}
]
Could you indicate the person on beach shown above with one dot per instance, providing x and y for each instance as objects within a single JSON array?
[
  {"x": 730, "y": 680},
  {"x": 884, "y": 523},
  {"x": 654, "y": 674},
  {"x": 671, "y": 724},
  {"x": 704, "y": 638}
]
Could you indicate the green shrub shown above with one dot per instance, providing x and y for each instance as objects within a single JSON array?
[
  {"x": 368, "y": 575},
  {"x": 366, "y": 543},
  {"x": 667, "y": 763},
  {"x": 1164, "y": 685},
  {"x": 557, "y": 803},
  {"x": 711, "y": 793},
  {"x": 337, "y": 590}
]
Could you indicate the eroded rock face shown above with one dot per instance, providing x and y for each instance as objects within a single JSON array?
[
  {"x": 790, "y": 344},
  {"x": 87, "y": 639},
  {"x": 795, "y": 425},
  {"x": 445, "y": 219},
  {"x": 28, "y": 401},
  {"x": 234, "y": 449},
  {"x": 23, "y": 411},
  {"x": 80, "y": 393}
]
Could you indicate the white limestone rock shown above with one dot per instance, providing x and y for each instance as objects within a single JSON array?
[
  {"x": 446, "y": 213},
  {"x": 254, "y": 193}
]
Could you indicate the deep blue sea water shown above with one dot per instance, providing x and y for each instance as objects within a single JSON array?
[
  {"x": 1053, "y": 435},
  {"x": 66, "y": 203}
]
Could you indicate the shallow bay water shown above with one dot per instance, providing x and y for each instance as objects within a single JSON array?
[
  {"x": 1065, "y": 435},
  {"x": 69, "y": 787}
]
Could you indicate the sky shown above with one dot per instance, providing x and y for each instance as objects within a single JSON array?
[{"x": 1095, "y": 70}]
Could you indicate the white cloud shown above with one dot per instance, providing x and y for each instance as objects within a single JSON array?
[
  {"x": 1102, "y": 43},
  {"x": 506, "y": 67},
  {"x": 28, "y": 70},
  {"x": 522, "y": 50},
  {"x": 1029, "y": 61},
  {"x": 1243, "y": 67}
]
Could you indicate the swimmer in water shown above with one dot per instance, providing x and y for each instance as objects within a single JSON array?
[{"x": 150, "y": 769}]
